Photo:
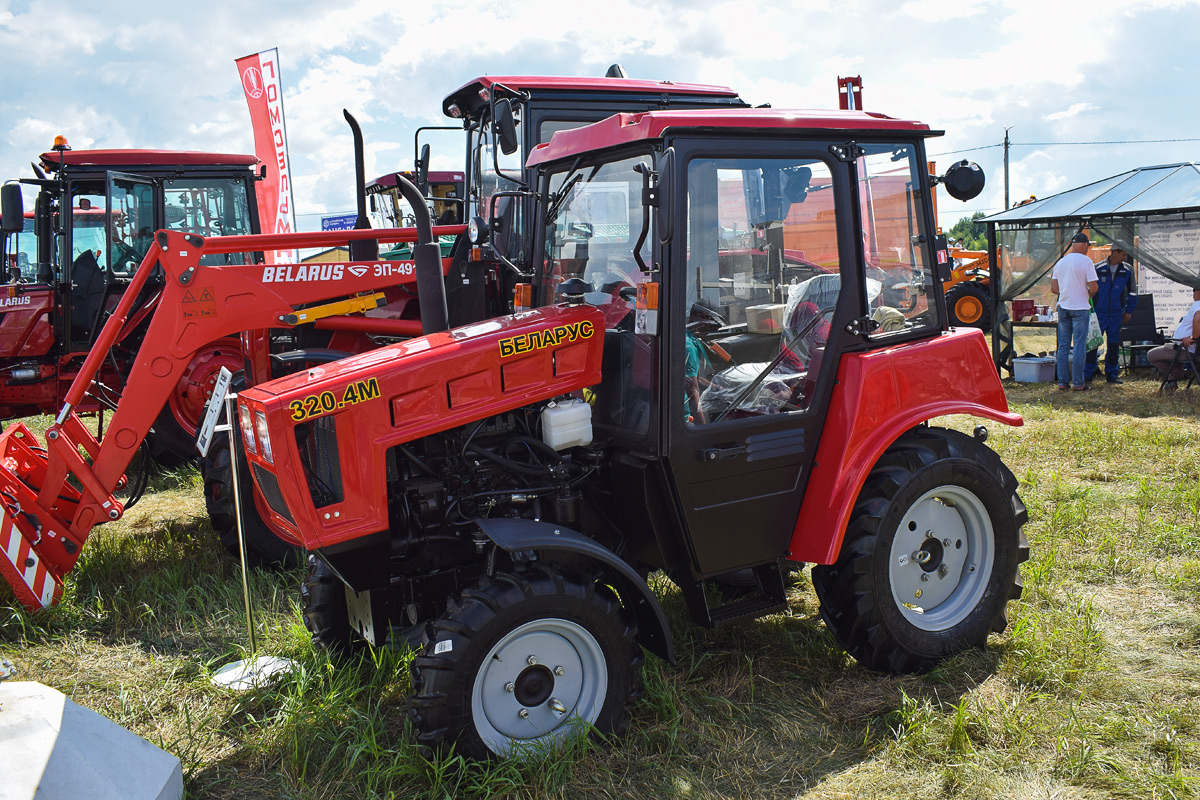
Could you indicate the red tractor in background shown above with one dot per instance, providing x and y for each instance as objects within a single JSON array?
[
  {"x": 72, "y": 259},
  {"x": 505, "y": 487}
]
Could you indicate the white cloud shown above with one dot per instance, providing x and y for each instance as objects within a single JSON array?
[{"x": 1075, "y": 110}]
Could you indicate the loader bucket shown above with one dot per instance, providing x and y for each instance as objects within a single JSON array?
[{"x": 36, "y": 553}]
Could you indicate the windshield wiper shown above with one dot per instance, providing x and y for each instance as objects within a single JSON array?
[{"x": 558, "y": 199}]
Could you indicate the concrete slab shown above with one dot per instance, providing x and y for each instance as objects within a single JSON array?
[{"x": 55, "y": 749}]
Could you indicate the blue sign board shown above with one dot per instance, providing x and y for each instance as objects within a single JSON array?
[{"x": 339, "y": 222}]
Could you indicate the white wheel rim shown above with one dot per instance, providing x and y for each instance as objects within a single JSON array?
[
  {"x": 941, "y": 558},
  {"x": 563, "y": 686}
]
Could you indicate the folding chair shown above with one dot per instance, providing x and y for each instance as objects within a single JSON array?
[
  {"x": 1186, "y": 360},
  {"x": 1140, "y": 335}
]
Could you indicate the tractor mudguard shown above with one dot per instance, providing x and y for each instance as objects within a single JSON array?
[
  {"x": 879, "y": 395},
  {"x": 522, "y": 534}
]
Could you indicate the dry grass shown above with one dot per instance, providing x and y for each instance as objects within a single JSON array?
[{"x": 1093, "y": 692}]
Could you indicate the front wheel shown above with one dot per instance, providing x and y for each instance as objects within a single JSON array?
[
  {"x": 525, "y": 661},
  {"x": 931, "y": 554}
]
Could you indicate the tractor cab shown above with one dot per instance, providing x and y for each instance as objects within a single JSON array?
[
  {"x": 738, "y": 257},
  {"x": 96, "y": 214},
  {"x": 91, "y": 222}
]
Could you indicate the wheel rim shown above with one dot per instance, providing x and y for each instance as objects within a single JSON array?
[
  {"x": 941, "y": 558},
  {"x": 968, "y": 309},
  {"x": 553, "y": 670},
  {"x": 188, "y": 398}
]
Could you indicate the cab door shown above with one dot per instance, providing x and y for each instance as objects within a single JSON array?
[{"x": 757, "y": 288}]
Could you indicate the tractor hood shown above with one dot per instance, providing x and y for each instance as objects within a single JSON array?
[{"x": 317, "y": 441}]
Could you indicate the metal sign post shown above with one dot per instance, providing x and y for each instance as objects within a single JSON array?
[{"x": 257, "y": 670}]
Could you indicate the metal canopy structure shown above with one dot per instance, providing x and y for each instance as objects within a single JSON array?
[{"x": 1155, "y": 211}]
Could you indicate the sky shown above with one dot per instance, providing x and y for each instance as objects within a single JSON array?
[{"x": 1086, "y": 89}]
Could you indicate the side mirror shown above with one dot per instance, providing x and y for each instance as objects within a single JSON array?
[
  {"x": 666, "y": 198},
  {"x": 422, "y": 175},
  {"x": 12, "y": 208},
  {"x": 506, "y": 127},
  {"x": 964, "y": 180}
]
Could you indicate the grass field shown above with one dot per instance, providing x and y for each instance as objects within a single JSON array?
[{"x": 1092, "y": 692}]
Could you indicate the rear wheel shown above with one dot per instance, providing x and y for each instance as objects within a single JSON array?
[
  {"x": 525, "y": 661},
  {"x": 969, "y": 305},
  {"x": 931, "y": 554}
]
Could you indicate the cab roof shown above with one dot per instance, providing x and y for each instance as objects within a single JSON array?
[
  {"x": 467, "y": 97},
  {"x": 388, "y": 181},
  {"x": 132, "y": 158},
  {"x": 626, "y": 128}
]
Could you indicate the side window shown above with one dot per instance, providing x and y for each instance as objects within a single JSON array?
[
  {"x": 763, "y": 280},
  {"x": 899, "y": 278},
  {"x": 208, "y": 207}
]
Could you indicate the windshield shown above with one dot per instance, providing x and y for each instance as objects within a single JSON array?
[{"x": 593, "y": 220}]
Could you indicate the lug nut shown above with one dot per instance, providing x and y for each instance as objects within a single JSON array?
[
  {"x": 523, "y": 713},
  {"x": 559, "y": 671},
  {"x": 943, "y": 570},
  {"x": 531, "y": 660},
  {"x": 510, "y": 687},
  {"x": 946, "y": 542},
  {"x": 924, "y": 576}
]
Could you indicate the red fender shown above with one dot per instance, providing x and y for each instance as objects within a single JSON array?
[{"x": 878, "y": 396}]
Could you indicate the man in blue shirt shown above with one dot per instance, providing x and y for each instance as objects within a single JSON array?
[{"x": 1114, "y": 302}]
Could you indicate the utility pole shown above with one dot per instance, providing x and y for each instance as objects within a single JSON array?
[{"x": 1006, "y": 130}]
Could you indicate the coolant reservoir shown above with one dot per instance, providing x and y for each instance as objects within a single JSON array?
[{"x": 567, "y": 423}]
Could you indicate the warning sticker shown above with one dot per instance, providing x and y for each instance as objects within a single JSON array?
[{"x": 199, "y": 303}]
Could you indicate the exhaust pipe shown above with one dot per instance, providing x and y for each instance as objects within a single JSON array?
[
  {"x": 365, "y": 249},
  {"x": 431, "y": 287}
]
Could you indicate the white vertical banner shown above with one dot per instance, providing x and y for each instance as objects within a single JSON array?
[{"x": 264, "y": 95}]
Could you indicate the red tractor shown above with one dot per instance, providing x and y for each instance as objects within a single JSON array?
[
  {"x": 700, "y": 386},
  {"x": 72, "y": 259}
]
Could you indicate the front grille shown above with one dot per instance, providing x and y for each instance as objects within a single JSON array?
[
  {"x": 317, "y": 442},
  {"x": 268, "y": 484}
]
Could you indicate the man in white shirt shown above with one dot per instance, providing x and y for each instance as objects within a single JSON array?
[
  {"x": 1185, "y": 334},
  {"x": 1074, "y": 281}
]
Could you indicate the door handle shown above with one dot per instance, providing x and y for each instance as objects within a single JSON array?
[{"x": 721, "y": 453}]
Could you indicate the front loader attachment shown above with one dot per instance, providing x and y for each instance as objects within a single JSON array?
[{"x": 52, "y": 496}]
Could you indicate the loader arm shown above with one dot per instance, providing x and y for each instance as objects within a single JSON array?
[{"x": 45, "y": 518}]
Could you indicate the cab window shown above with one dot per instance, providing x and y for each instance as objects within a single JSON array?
[
  {"x": 763, "y": 281},
  {"x": 899, "y": 277}
]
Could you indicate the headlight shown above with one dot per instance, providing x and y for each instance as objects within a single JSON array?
[
  {"x": 264, "y": 437},
  {"x": 247, "y": 429}
]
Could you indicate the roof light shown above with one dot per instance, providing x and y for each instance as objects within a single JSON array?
[
  {"x": 60, "y": 143},
  {"x": 454, "y": 110},
  {"x": 485, "y": 95}
]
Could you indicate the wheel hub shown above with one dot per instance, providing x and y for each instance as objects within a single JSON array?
[
  {"x": 534, "y": 685},
  {"x": 537, "y": 682},
  {"x": 941, "y": 558}
]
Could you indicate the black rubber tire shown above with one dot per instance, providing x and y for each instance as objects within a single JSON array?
[
  {"x": 170, "y": 445},
  {"x": 858, "y": 601},
  {"x": 458, "y": 645},
  {"x": 963, "y": 299},
  {"x": 263, "y": 547},
  {"x": 323, "y": 602}
]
